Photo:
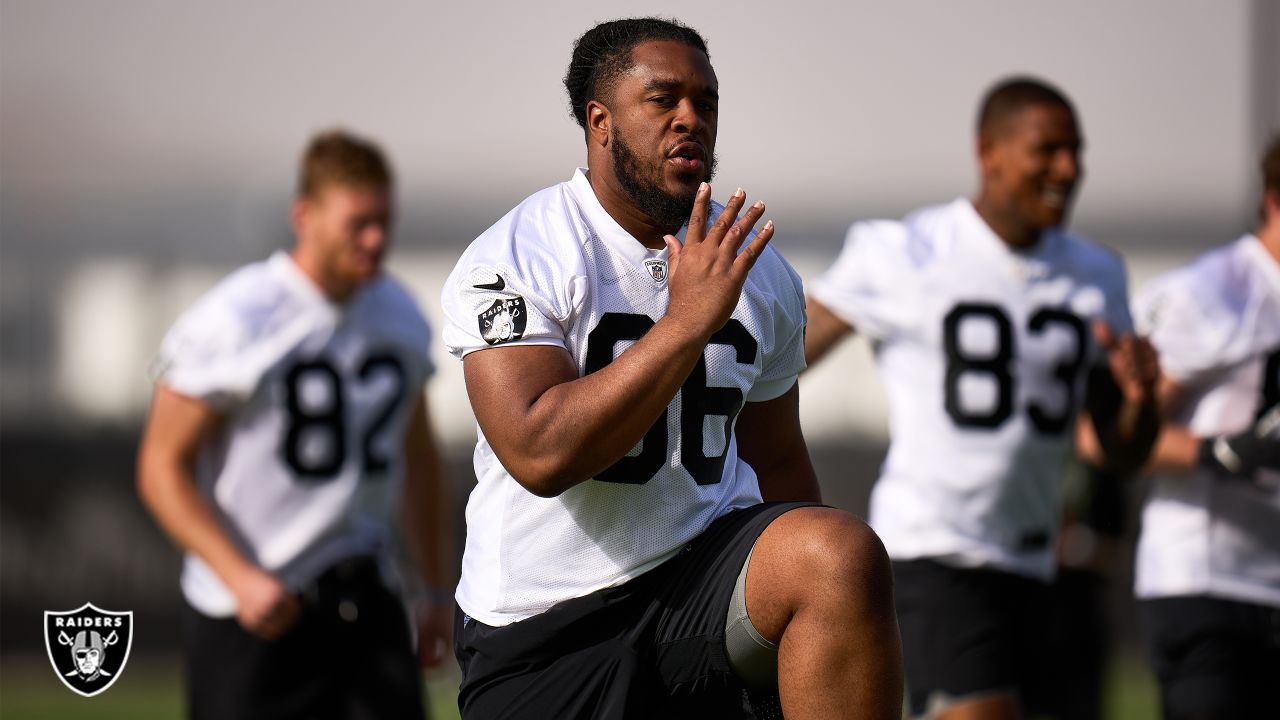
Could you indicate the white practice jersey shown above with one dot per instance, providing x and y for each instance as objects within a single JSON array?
[
  {"x": 1216, "y": 325},
  {"x": 316, "y": 398},
  {"x": 984, "y": 352},
  {"x": 559, "y": 271}
]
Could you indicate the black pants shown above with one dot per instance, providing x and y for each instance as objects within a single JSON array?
[
  {"x": 968, "y": 632},
  {"x": 1214, "y": 658},
  {"x": 330, "y": 665},
  {"x": 650, "y": 648}
]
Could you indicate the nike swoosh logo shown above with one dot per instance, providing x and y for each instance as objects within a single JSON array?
[{"x": 495, "y": 285}]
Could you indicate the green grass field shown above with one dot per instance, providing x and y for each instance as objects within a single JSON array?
[{"x": 150, "y": 690}]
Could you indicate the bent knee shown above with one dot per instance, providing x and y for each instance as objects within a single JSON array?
[{"x": 826, "y": 547}]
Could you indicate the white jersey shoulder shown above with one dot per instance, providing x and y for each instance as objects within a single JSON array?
[
  {"x": 1216, "y": 325},
  {"x": 315, "y": 398},
  {"x": 983, "y": 351},
  {"x": 558, "y": 270}
]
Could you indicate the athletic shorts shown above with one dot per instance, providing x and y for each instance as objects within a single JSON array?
[
  {"x": 650, "y": 648},
  {"x": 1214, "y": 657},
  {"x": 349, "y": 656},
  {"x": 968, "y": 633}
]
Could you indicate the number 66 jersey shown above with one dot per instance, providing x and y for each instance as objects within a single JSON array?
[
  {"x": 559, "y": 271},
  {"x": 983, "y": 351},
  {"x": 315, "y": 398}
]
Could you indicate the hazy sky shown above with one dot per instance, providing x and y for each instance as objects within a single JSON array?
[{"x": 159, "y": 128}]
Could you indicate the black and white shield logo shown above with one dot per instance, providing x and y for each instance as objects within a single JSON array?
[
  {"x": 657, "y": 268},
  {"x": 503, "y": 321},
  {"x": 88, "y": 646}
]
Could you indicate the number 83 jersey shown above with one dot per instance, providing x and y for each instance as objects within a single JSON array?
[
  {"x": 559, "y": 271},
  {"x": 983, "y": 351},
  {"x": 315, "y": 398}
]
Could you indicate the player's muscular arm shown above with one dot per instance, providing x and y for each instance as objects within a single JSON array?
[
  {"x": 552, "y": 429},
  {"x": 823, "y": 331},
  {"x": 173, "y": 435},
  {"x": 428, "y": 524},
  {"x": 770, "y": 441},
  {"x": 1119, "y": 427}
]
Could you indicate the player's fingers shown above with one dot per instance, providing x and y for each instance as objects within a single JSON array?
[
  {"x": 674, "y": 247},
  {"x": 752, "y": 251},
  {"x": 698, "y": 217},
  {"x": 720, "y": 228},
  {"x": 742, "y": 229}
]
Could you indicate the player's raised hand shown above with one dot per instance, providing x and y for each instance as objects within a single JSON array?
[
  {"x": 1132, "y": 360},
  {"x": 707, "y": 271},
  {"x": 264, "y": 606}
]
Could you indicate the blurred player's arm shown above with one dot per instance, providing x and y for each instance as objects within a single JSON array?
[
  {"x": 770, "y": 441},
  {"x": 1120, "y": 422},
  {"x": 823, "y": 332},
  {"x": 1237, "y": 455},
  {"x": 175, "y": 430},
  {"x": 428, "y": 526}
]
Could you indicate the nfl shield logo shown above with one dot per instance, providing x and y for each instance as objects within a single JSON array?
[
  {"x": 88, "y": 646},
  {"x": 657, "y": 269}
]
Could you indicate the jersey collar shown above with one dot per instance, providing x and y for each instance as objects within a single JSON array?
[
  {"x": 608, "y": 229},
  {"x": 285, "y": 268}
]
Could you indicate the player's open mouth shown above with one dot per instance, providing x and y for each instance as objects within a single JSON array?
[
  {"x": 688, "y": 156},
  {"x": 1055, "y": 197}
]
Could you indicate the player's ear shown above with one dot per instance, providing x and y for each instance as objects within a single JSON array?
[
  {"x": 298, "y": 214},
  {"x": 599, "y": 123}
]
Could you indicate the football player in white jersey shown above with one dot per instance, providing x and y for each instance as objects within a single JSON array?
[
  {"x": 636, "y": 399},
  {"x": 988, "y": 322},
  {"x": 1208, "y": 565},
  {"x": 287, "y": 428}
]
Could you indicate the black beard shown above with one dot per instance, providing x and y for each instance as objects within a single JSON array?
[{"x": 669, "y": 212}]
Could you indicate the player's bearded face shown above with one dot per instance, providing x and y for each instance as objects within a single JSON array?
[
  {"x": 645, "y": 181},
  {"x": 353, "y": 225}
]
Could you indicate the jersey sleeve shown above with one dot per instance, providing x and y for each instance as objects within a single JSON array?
[
  {"x": 1177, "y": 321},
  {"x": 200, "y": 356},
  {"x": 858, "y": 287},
  {"x": 783, "y": 364},
  {"x": 513, "y": 286}
]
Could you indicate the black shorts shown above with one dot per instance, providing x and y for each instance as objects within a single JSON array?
[
  {"x": 1213, "y": 657},
  {"x": 969, "y": 632},
  {"x": 652, "y": 647},
  {"x": 326, "y": 666}
]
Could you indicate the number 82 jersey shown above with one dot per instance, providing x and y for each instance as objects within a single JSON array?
[
  {"x": 559, "y": 271},
  {"x": 983, "y": 351}
]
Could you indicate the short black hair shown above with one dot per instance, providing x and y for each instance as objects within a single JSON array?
[
  {"x": 604, "y": 52},
  {"x": 1010, "y": 96}
]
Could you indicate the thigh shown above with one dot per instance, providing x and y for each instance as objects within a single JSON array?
[
  {"x": 576, "y": 661},
  {"x": 231, "y": 674},
  {"x": 1212, "y": 657},
  {"x": 959, "y": 638}
]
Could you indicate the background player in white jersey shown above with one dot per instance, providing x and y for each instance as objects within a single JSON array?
[
  {"x": 1208, "y": 567},
  {"x": 636, "y": 397},
  {"x": 982, "y": 316},
  {"x": 288, "y": 424}
]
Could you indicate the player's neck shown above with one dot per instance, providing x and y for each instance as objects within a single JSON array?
[
  {"x": 620, "y": 207},
  {"x": 1269, "y": 236},
  {"x": 1013, "y": 233},
  {"x": 332, "y": 288}
]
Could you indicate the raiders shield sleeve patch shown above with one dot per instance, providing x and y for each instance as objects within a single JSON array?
[{"x": 503, "y": 321}]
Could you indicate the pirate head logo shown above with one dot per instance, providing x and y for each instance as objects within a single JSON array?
[
  {"x": 88, "y": 647},
  {"x": 503, "y": 321},
  {"x": 657, "y": 268}
]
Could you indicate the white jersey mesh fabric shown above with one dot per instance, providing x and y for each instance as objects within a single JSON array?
[
  {"x": 558, "y": 270},
  {"x": 1216, "y": 325},
  {"x": 983, "y": 351},
  {"x": 316, "y": 398}
]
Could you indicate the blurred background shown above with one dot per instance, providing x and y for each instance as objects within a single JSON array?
[{"x": 147, "y": 148}]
